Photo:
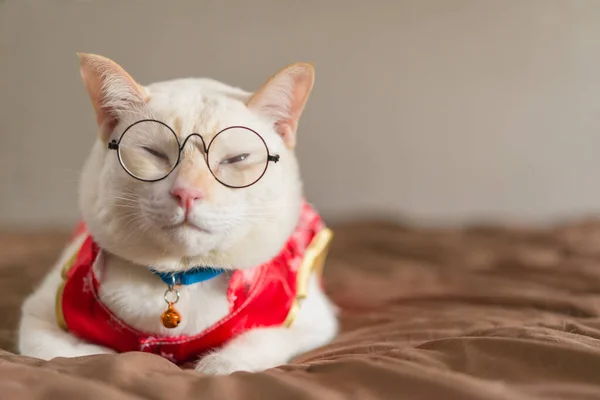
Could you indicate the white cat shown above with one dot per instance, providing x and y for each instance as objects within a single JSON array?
[{"x": 163, "y": 202}]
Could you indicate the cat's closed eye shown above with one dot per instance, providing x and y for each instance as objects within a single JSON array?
[
  {"x": 236, "y": 159},
  {"x": 156, "y": 153}
]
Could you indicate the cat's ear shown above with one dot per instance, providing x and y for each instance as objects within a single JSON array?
[
  {"x": 112, "y": 90},
  {"x": 283, "y": 97}
]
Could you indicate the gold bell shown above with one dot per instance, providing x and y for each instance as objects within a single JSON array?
[{"x": 171, "y": 317}]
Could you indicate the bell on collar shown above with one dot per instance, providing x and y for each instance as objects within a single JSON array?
[{"x": 171, "y": 317}]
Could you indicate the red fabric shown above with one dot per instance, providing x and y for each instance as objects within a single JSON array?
[{"x": 258, "y": 297}]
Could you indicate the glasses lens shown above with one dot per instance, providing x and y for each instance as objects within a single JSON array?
[
  {"x": 238, "y": 157},
  {"x": 149, "y": 150}
]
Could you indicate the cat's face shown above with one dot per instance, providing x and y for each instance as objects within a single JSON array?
[{"x": 190, "y": 218}]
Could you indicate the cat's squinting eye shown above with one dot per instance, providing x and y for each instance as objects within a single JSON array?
[
  {"x": 156, "y": 153},
  {"x": 236, "y": 159}
]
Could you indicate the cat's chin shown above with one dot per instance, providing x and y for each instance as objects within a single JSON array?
[
  {"x": 171, "y": 248},
  {"x": 190, "y": 241}
]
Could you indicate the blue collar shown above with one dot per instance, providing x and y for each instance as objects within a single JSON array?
[{"x": 189, "y": 277}]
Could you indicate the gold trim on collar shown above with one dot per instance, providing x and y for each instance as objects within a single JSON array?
[
  {"x": 313, "y": 261},
  {"x": 60, "y": 318}
]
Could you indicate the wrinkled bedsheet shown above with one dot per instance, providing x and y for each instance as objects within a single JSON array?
[{"x": 478, "y": 313}]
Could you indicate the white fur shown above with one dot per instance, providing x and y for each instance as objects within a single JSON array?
[{"x": 127, "y": 218}]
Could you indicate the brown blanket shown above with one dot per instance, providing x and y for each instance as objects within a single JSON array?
[{"x": 485, "y": 313}]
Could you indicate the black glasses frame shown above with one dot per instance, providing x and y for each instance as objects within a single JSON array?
[{"x": 114, "y": 145}]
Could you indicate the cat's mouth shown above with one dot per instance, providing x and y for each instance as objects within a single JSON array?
[{"x": 185, "y": 224}]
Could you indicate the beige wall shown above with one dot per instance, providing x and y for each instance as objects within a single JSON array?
[{"x": 440, "y": 110}]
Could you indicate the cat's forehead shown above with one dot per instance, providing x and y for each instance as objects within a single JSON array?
[{"x": 198, "y": 105}]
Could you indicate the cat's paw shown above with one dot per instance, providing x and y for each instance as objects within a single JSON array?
[
  {"x": 85, "y": 349},
  {"x": 88, "y": 349},
  {"x": 222, "y": 363},
  {"x": 254, "y": 351}
]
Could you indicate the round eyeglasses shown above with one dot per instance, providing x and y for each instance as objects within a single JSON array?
[{"x": 149, "y": 150}]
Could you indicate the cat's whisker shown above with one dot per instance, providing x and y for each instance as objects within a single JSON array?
[
  {"x": 245, "y": 216},
  {"x": 140, "y": 229},
  {"x": 126, "y": 206},
  {"x": 125, "y": 199}
]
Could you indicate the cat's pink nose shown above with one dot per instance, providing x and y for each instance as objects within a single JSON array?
[{"x": 186, "y": 196}]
